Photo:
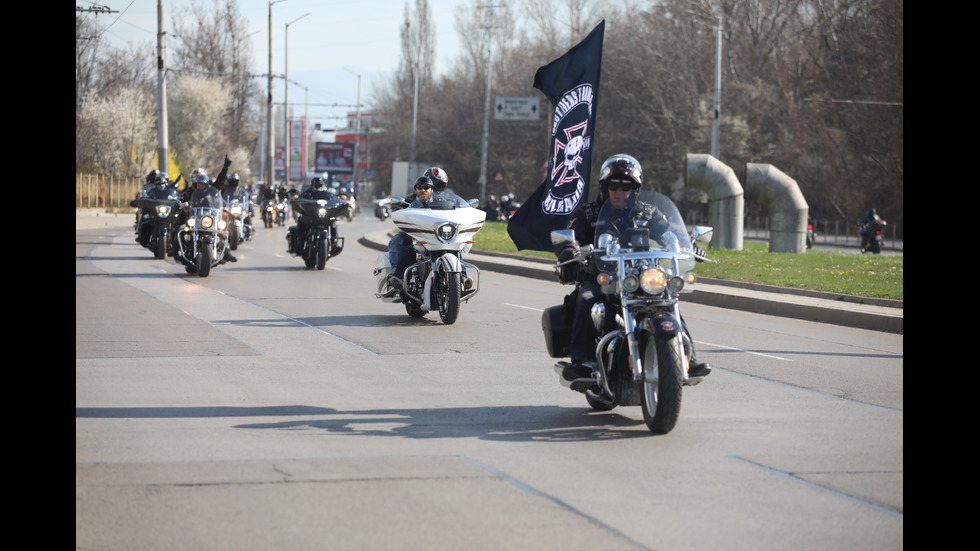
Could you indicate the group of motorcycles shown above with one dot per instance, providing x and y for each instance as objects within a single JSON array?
[
  {"x": 198, "y": 232},
  {"x": 642, "y": 352},
  {"x": 195, "y": 233}
]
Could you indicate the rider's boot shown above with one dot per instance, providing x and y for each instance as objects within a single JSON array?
[{"x": 698, "y": 369}]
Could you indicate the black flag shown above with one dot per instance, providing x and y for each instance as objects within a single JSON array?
[{"x": 571, "y": 83}]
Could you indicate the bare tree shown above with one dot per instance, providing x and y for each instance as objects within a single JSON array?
[
  {"x": 197, "y": 111},
  {"x": 115, "y": 135},
  {"x": 406, "y": 123},
  {"x": 212, "y": 40}
]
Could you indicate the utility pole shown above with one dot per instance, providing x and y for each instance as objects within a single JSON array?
[
  {"x": 717, "y": 110},
  {"x": 288, "y": 137},
  {"x": 163, "y": 147},
  {"x": 488, "y": 26}
]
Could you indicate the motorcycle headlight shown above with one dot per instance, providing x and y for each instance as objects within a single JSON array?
[
  {"x": 207, "y": 222},
  {"x": 321, "y": 212},
  {"x": 163, "y": 211},
  {"x": 653, "y": 281},
  {"x": 222, "y": 224},
  {"x": 236, "y": 211},
  {"x": 631, "y": 283},
  {"x": 446, "y": 232}
]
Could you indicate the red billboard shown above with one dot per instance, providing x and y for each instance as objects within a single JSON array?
[{"x": 334, "y": 157}]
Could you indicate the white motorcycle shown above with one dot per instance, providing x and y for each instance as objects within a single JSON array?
[
  {"x": 239, "y": 218},
  {"x": 645, "y": 260},
  {"x": 442, "y": 233}
]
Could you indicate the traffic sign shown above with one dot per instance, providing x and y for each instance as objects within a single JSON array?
[{"x": 516, "y": 108}]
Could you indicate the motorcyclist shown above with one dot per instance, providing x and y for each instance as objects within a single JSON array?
[
  {"x": 228, "y": 191},
  {"x": 150, "y": 182},
  {"x": 317, "y": 190},
  {"x": 619, "y": 177},
  {"x": 440, "y": 185},
  {"x": 401, "y": 252},
  {"x": 156, "y": 182},
  {"x": 232, "y": 190},
  {"x": 201, "y": 187},
  {"x": 865, "y": 225}
]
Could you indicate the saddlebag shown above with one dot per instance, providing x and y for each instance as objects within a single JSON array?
[{"x": 557, "y": 333}]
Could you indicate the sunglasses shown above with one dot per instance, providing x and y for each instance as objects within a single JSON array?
[
  {"x": 615, "y": 186},
  {"x": 422, "y": 188}
]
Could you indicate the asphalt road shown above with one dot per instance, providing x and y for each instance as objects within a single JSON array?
[{"x": 273, "y": 407}]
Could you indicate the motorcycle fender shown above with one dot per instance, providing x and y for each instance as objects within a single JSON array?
[
  {"x": 382, "y": 270},
  {"x": 662, "y": 324},
  {"x": 448, "y": 263}
]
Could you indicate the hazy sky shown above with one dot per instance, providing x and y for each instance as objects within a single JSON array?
[{"x": 336, "y": 39}]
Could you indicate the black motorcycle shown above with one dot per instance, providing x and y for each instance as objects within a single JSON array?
[
  {"x": 318, "y": 240},
  {"x": 158, "y": 218}
]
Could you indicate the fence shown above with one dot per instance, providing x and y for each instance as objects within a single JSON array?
[
  {"x": 108, "y": 192},
  {"x": 828, "y": 232}
]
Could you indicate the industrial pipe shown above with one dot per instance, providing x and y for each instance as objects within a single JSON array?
[
  {"x": 726, "y": 202},
  {"x": 788, "y": 209}
]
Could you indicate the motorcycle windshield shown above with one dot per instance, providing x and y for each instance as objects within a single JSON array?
[
  {"x": 208, "y": 197},
  {"x": 442, "y": 200},
  {"x": 643, "y": 220},
  {"x": 242, "y": 195},
  {"x": 163, "y": 193}
]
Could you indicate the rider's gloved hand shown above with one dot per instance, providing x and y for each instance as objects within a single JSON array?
[
  {"x": 568, "y": 252},
  {"x": 227, "y": 161},
  {"x": 699, "y": 252}
]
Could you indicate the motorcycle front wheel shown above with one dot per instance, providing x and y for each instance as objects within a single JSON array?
[
  {"x": 159, "y": 246},
  {"x": 660, "y": 399},
  {"x": 204, "y": 260},
  {"x": 321, "y": 254},
  {"x": 233, "y": 238},
  {"x": 447, "y": 297}
]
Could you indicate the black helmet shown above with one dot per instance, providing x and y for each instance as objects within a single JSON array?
[
  {"x": 423, "y": 181},
  {"x": 317, "y": 182},
  {"x": 200, "y": 178},
  {"x": 162, "y": 178},
  {"x": 233, "y": 179},
  {"x": 622, "y": 169},
  {"x": 439, "y": 178},
  {"x": 151, "y": 178}
]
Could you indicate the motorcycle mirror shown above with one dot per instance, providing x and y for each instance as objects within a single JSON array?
[
  {"x": 562, "y": 236},
  {"x": 703, "y": 233},
  {"x": 604, "y": 241},
  {"x": 474, "y": 203}
]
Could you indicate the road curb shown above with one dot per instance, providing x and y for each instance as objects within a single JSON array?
[{"x": 834, "y": 308}]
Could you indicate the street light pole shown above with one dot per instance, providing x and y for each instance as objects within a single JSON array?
[
  {"x": 288, "y": 137},
  {"x": 163, "y": 149},
  {"x": 357, "y": 130},
  {"x": 717, "y": 111},
  {"x": 270, "y": 142}
]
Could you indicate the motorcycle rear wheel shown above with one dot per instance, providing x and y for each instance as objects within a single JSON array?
[{"x": 660, "y": 398}]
